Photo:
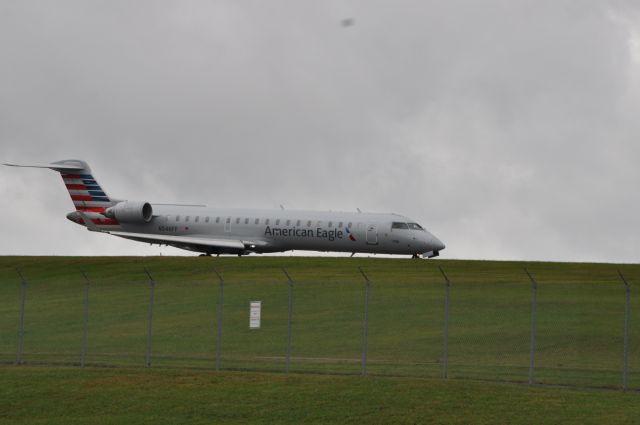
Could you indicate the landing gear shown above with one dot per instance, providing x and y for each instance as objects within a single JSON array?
[{"x": 415, "y": 256}]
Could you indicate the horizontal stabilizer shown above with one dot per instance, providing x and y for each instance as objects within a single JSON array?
[{"x": 52, "y": 166}]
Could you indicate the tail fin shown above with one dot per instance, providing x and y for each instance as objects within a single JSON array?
[{"x": 86, "y": 193}]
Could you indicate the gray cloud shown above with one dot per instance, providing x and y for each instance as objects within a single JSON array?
[{"x": 507, "y": 128}]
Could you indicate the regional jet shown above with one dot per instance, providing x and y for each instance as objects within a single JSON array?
[{"x": 238, "y": 231}]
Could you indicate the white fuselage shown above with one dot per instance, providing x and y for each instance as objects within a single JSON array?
[{"x": 283, "y": 230}]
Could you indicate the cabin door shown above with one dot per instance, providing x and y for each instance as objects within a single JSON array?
[{"x": 372, "y": 234}]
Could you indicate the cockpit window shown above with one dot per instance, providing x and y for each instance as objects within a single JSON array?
[
  {"x": 415, "y": 226},
  {"x": 398, "y": 225}
]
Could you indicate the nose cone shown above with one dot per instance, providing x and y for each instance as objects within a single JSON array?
[
  {"x": 438, "y": 245},
  {"x": 433, "y": 245}
]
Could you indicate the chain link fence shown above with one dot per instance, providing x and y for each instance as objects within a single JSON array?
[{"x": 519, "y": 326}]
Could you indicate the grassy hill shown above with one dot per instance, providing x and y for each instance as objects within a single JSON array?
[
  {"x": 579, "y": 341},
  {"x": 579, "y": 329}
]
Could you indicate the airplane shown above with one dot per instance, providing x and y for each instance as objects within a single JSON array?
[{"x": 238, "y": 231}]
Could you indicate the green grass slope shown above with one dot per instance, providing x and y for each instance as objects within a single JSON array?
[
  {"x": 66, "y": 396},
  {"x": 579, "y": 337}
]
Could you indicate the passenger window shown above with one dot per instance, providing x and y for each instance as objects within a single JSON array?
[
  {"x": 197, "y": 218},
  {"x": 267, "y": 222},
  {"x": 288, "y": 222},
  {"x": 277, "y": 222},
  {"x": 257, "y": 221},
  {"x": 340, "y": 225},
  {"x": 228, "y": 220},
  {"x": 186, "y": 220},
  {"x": 298, "y": 223},
  {"x": 309, "y": 223},
  {"x": 319, "y": 223},
  {"x": 330, "y": 224},
  {"x": 238, "y": 220},
  {"x": 246, "y": 221},
  {"x": 177, "y": 218},
  {"x": 349, "y": 225},
  {"x": 217, "y": 219},
  {"x": 206, "y": 220}
]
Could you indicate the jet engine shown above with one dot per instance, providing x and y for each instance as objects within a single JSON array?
[{"x": 130, "y": 212}]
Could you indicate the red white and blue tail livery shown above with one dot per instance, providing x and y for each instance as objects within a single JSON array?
[{"x": 238, "y": 231}]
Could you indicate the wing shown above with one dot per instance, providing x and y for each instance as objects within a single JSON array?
[{"x": 196, "y": 243}]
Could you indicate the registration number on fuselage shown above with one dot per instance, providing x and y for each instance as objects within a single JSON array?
[{"x": 167, "y": 228}]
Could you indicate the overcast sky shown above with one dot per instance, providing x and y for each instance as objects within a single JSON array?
[{"x": 510, "y": 129}]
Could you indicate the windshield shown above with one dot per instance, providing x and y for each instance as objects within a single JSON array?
[
  {"x": 415, "y": 226},
  {"x": 398, "y": 225}
]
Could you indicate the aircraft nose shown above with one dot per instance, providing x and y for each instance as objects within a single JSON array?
[
  {"x": 434, "y": 243},
  {"x": 438, "y": 244}
]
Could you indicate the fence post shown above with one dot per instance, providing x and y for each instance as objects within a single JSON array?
[
  {"x": 152, "y": 285},
  {"x": 23, "y": 297},
  {"x": 85, "y": 319},
  {"x": 290, "y": 313},
  {"x": 219, "y": 319},
  {"x": 366, "y": 322},
  {"x": 534, "y": 304},
  {"x": 445, "y": 354},
  {"x": 626, "y": 330}
]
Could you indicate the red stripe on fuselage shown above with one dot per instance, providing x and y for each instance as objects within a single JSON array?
[{"x": 71, "y": 176}]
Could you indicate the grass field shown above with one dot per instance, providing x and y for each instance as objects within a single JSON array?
[
  {"x": 67, "y": 396},
  {"x": 579, "y": 342},
  {"x": 579, "y": 326}
]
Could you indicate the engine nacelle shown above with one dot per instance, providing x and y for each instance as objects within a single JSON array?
[{"x": 131, "y": 212}]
